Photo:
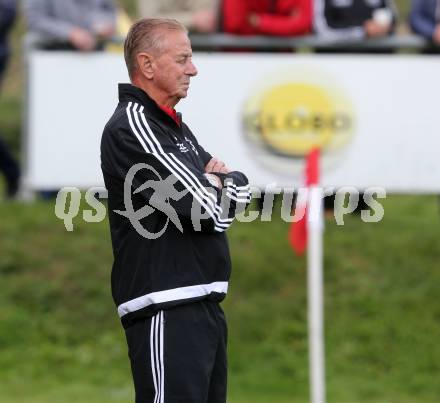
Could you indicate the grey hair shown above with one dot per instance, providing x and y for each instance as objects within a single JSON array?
[{"x": 146, "y": 35}]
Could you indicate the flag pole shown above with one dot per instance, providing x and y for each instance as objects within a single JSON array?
[
  {"x": 316, "y": 295},
  {"x": 307, "y": 233}
]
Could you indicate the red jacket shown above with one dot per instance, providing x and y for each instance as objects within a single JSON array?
[{"x": 275, "y": 17}]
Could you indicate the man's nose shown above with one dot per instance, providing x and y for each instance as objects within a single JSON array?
[{"x": 192, "y": 69}]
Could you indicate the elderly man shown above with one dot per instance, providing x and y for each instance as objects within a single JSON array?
[{"x": 170, "y": 204}]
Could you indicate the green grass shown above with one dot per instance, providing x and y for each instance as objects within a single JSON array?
[{"x": 60, "y": 339}]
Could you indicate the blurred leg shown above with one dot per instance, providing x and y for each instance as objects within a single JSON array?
[{"x": 9, "y": 168}]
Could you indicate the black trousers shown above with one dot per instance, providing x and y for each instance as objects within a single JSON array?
[{"x": 179, "y": 355}]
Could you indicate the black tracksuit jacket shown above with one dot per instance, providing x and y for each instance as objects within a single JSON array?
[{"x": 187, "y": 262}]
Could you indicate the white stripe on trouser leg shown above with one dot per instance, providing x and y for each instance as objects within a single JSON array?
[
  {"x": 156, "y": 355},
  {"x": 154, "y": 369},
  {"x": 162, "y": 372}
]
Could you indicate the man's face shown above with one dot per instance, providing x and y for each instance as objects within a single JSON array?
[{"x": 173, "y": 68}]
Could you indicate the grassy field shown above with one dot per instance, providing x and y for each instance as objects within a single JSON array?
[{"x": 60, "y": 340}]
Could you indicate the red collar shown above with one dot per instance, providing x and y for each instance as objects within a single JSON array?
[{"x": 171, "y": 112}]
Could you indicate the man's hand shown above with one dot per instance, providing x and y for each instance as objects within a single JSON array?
[
  {"x": 104, "y": 30},
  {"x": 82, "y": 39},
  {"x": 215, "y": 165},
  {"x": 375, "y": 30},
  {"x": 436, "y": 36},
  {"x": 254, "y": 20},
  {"x": 205, "y": 21},
  {"x": 214, "y": 180}
]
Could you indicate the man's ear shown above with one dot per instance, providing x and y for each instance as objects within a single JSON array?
[{"x": 145, "y": 65}]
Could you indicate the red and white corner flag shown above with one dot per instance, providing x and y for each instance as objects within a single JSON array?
[
  {"x": 307, "y": 233},
  {"x": 298, "y": 230}
]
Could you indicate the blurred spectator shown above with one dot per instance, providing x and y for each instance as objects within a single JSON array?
[
  {"x": 7, "y": 164},
  {"x": 7, "y": 17},
  {"x": 267, "y": 17},
  {"x": 425, "y": 19},
  {"x": 197, "y": 15},
  {"x": 80, "y": 24},
  {"x": 345, "y": 19},
  {"x": 10, "y": 169},
  {"x": 122, "y": 26}
]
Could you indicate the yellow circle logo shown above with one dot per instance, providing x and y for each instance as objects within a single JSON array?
[{"x": 288, "y": 119}]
